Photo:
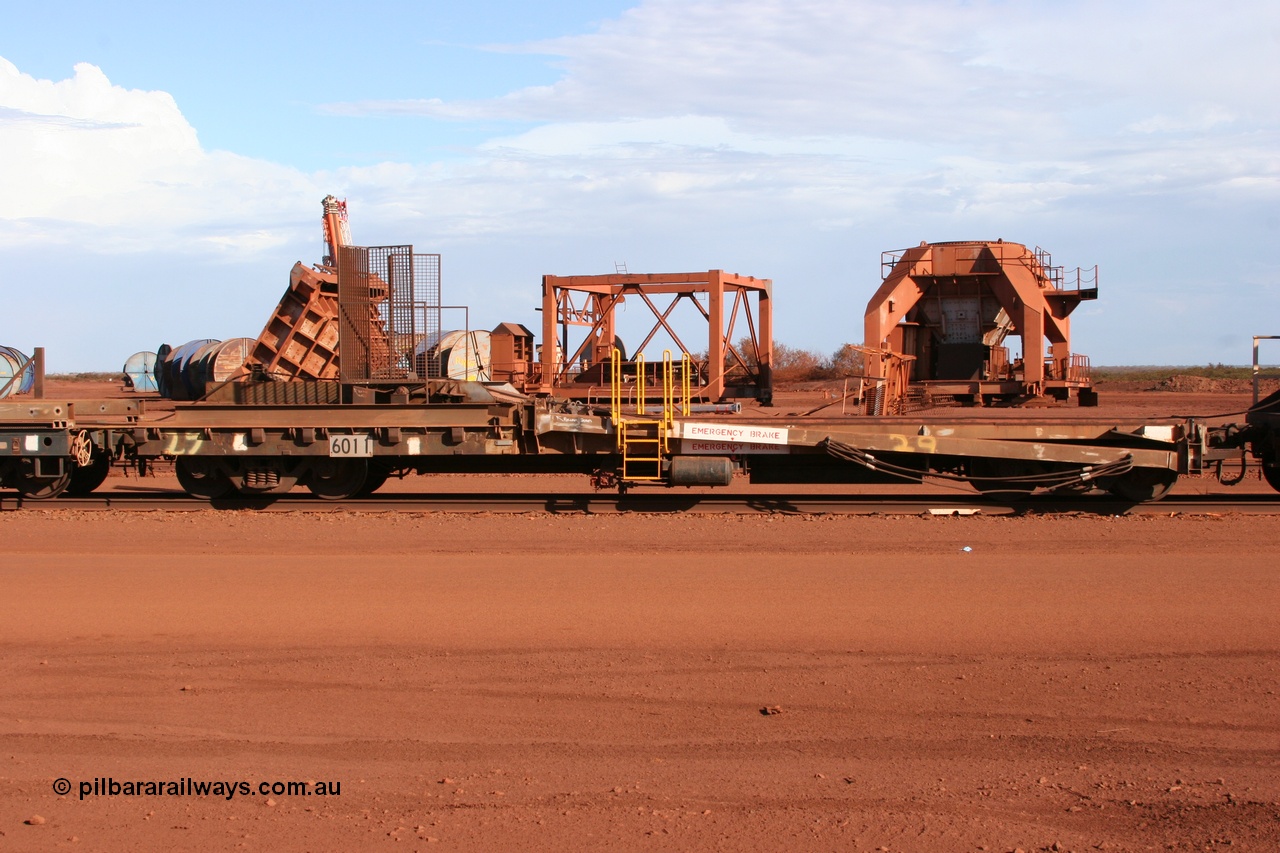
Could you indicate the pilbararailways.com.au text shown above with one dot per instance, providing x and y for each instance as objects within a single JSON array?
[{"x": 188, "y": 787}]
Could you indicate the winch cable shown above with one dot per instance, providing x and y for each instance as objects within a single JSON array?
[{"x": 1046, "y": 480}]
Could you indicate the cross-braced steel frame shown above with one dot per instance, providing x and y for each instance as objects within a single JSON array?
[{"x": 735, "y": 305}]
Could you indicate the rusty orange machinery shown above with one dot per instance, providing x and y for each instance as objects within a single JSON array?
[
  {"x": 737, "y": 308},
  {"x": 300, "y": 339},
  {"x": 384, "y": 302},
  {"x": 950, "y": 307}
]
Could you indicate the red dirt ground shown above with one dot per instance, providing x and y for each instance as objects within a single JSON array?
[
  {"x": 561, "y": 682},
  {"x": 539, "y": 682}
]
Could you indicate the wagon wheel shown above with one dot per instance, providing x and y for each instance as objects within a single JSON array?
[
  {"x": 43, "y": 488},
  {"x": 1143, "y": 484},
  {"x": 202, "y": 479},
  {"x": 86, "y": 478},
  {"x": 378, "y": 474},
  {"x": 1271, "y": 473},
  {"x": 335, "y": 479}
]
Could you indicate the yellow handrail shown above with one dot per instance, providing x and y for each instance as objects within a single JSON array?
[
  {"x": 640, "y": 384},
  {"x": 634, "y": 434},
  {"x": 686, "y": 382},
  {"x": 615, "y": 392},
  {"x": 668, "y": 394}
]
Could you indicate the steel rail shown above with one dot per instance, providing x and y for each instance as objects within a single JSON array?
[{"x": 663, "y": 503}]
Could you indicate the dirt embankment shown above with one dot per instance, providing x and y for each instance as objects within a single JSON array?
[{"x": 1187, "y": 384}]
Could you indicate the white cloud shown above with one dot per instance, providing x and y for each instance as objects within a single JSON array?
[
  {"x": 115, "y": 169},
  {"x": 1019, "y": 104},
  {"x": 1205, "y": 120},
  {"x": 844, "y": 112},
  {"x": 885, "y": 68}
]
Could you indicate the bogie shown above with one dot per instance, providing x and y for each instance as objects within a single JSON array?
[
  {"x": 44, "y": 488},
  {"x": 202, "y": 478},
  {"x": 337, "y": 478}
]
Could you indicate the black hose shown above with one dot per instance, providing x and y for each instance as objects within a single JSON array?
[{"x": 1049, "y": 480}]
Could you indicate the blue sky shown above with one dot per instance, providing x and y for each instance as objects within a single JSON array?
[{"x": 161, "y": 165}]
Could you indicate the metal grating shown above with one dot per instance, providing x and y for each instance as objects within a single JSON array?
[{"x": 389, "y": 304}]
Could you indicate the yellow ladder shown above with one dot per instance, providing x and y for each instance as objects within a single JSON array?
[
  {"x": 643, "y": 445},
  {"x": 643, "y": 441}
]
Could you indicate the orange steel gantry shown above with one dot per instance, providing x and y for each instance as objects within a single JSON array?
[
  {"x": 951, "y": 305},
  {"x": 592, "y": 301}
]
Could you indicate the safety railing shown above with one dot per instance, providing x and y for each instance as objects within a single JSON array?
[
  {"x": 1079, "y": 368},
  {"x": 644, "y": 439},
  {"x": 641, "y": 391},
  {"x": 1072, "y": 368},
  {"x": 1258, "y": 375},
  {"x": 686, "y": 382},
  {"x": 668, "y": 394},
  {"x": 615, "y": 392}
]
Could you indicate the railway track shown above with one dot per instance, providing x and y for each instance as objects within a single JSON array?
[{"x": 665, "y": 502}]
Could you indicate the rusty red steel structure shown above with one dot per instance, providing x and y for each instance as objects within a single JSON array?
[
  {"x": 951, "y": 306},
  {"x": 592, "y": 301},
  {"x": 337, "y": 229},
  {"x": 300, "y": 339},
  {"x": 380, "y": 308},
  {"x": 389, "y": 313},
  {"x": 377, "y": 306}
]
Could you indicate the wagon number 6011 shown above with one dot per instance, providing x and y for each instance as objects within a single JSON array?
[{"x": 351, "y": 445}]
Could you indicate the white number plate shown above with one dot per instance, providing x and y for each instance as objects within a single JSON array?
[{"x": 351, "y": 445}]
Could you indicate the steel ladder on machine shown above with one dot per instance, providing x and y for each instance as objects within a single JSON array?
[{"x": 644, "y": 440}]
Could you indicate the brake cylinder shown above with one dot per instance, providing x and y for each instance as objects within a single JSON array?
[{"x": 701, "y": 471}]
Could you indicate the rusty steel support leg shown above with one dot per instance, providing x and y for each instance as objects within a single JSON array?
[
  {"x": 547, "y": 357},
  {"x": 37, "y": 358},
  {"x": 766, "y": 345},
  {"x": 1032, "y": 329},
  {"x": 715, "y": 341}
]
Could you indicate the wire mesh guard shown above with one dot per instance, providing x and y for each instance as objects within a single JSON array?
[{"x": 389, "y": 314}]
